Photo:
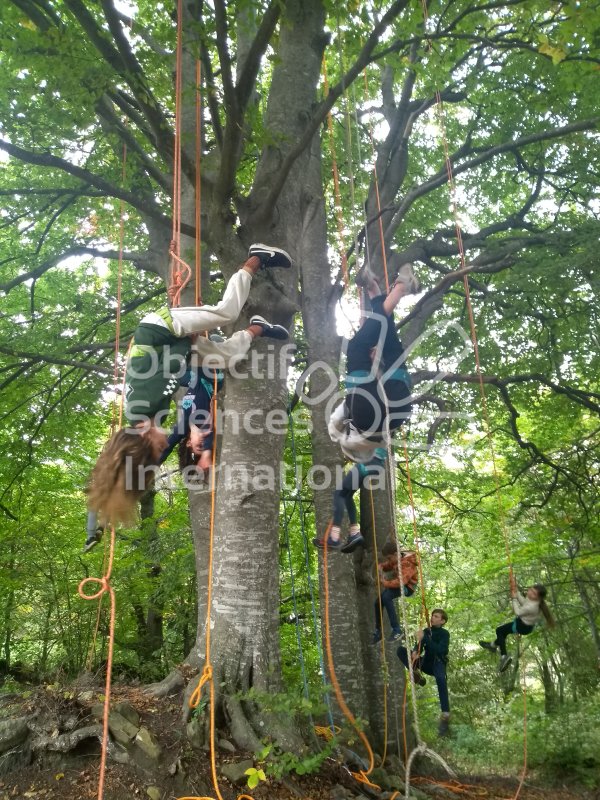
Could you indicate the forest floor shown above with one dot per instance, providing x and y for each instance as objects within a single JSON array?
[{"x": 75, "y": 776}]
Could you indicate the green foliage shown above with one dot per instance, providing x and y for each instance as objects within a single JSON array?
[{"x": 254, "y": 777}]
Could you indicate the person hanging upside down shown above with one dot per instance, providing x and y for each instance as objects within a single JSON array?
[
  {"x": 528, "y": 609},
  {"x": 377, "y": 400},
  {"x": 193, "y": 432},
  {"x": 159, "y": 356},
  {"x": 430, "y": 655},
  {"x": 404, "y": 579}
]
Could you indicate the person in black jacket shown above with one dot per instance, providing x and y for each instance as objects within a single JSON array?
[{"x": 430, "y": 655}]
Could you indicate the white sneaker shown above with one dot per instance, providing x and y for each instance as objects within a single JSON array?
[{"x": 408, "y": 278}]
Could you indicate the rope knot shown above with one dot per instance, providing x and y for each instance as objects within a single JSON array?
[{"x": 206, "y": 677}]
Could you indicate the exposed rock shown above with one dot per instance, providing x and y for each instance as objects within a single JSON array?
[
  {"x": 128, "y": 711},
  {"x": 225, "y": 745},
  {"x": 236, "y": 771},
  {"x": 153, "y": 792},
  {"x": 121, "y": 729},
  {"x": 13, "y": 732},
  {"x": 147, "y": 743}
]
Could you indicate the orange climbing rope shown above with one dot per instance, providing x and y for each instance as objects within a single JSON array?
[
  {"x": 180, "y": 271},
  {"x": 198, "y": 250},
  {"x": 331, "y": 666},
  {"x": 473, "y": 332},
  {"x": 104, "y": 581},
  {"x": 207, "y": 672},
  {"x": 377, "y": 197},
  {"x": 336, "y": 184}
]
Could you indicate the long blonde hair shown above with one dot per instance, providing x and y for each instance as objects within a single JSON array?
[{"x": 120, "y": 477}]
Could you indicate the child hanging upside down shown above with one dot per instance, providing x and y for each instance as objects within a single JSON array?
[
  {"x": 377, "y": 400},
  {"x": 193, "y": 432},
  {"x": 160, "y": 353},
  {"x": 430, "y": 655},
  {"x": 529, "y": 610},
  {"x": 405, "y": 575}
]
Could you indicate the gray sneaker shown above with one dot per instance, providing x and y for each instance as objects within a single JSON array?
[
  {"x": 270, "y": 256},
  {"x": 444, "y": 725},
  {"x": 408, "y": 278},
  {"x": 365, "y": 278}
]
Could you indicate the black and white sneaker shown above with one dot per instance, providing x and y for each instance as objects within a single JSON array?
[
  {"x": 269, "y": 330},
  {"x": 488, "y": 646},
  {"x": 93, "y": 539},
  {"x": 353, "y": 541},
  {"x": 270, "y": 256}
]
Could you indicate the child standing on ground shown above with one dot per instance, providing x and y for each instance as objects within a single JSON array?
[
  {"x": 529, "y": 609},
  {"x": 404, "y": 577},
  {"x": 430, "y": 655}
]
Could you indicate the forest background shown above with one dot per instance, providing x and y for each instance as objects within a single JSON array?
[{"x": 83, "y": 83}]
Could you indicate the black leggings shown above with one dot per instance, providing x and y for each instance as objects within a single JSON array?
[
  {"x": 368, "y": 402},
  {"x": 343, "y": 499},
  {"x": 516, "y": 626}
]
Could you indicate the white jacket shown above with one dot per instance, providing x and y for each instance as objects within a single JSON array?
[
  {"x": 528, "y": 610},
  {"x": 353, "y": 443}
]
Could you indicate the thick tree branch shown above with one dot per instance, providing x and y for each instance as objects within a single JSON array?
[
  {"x": 35, "y": 358},
  {"x": 106, "y": 111},
  {"x": 277, "y": 181},
  {"x": 122, "y": 60},
  {"x": 584, "y": 398},
  {"x": 247, "y": 77},
  {"x": 109, "y": 189},
  {"x": 483, "y": 155},
  {"x": 77, "y": 250}
]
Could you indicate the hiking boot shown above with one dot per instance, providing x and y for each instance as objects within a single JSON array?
[
  {"x": 395, "y": 635},
  {"x": 505, "y": 662},
  {"x": 493, "y": 648},
  {"x": 269, "y": 330},
  {"x": 364, "y": 278},
  {"x": 353, "y": 541},
  {"x": 377, "y": 636},
  {"x": 332, "y": 544},
  {"x": 408, "y": 278},
  {"x": 417, "y": 675},
  {"x": 444, "y": 725},
  {"x": 270, "y": 256}
]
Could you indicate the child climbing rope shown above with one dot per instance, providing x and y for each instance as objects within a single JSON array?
[
  {"x": 159, "y": 356},
  {"x": 430, "y": 655},
  {"x": 529, "y": 609},
  {"x": 377, "y": 399},
  {"x": 405, "y": 576}
]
